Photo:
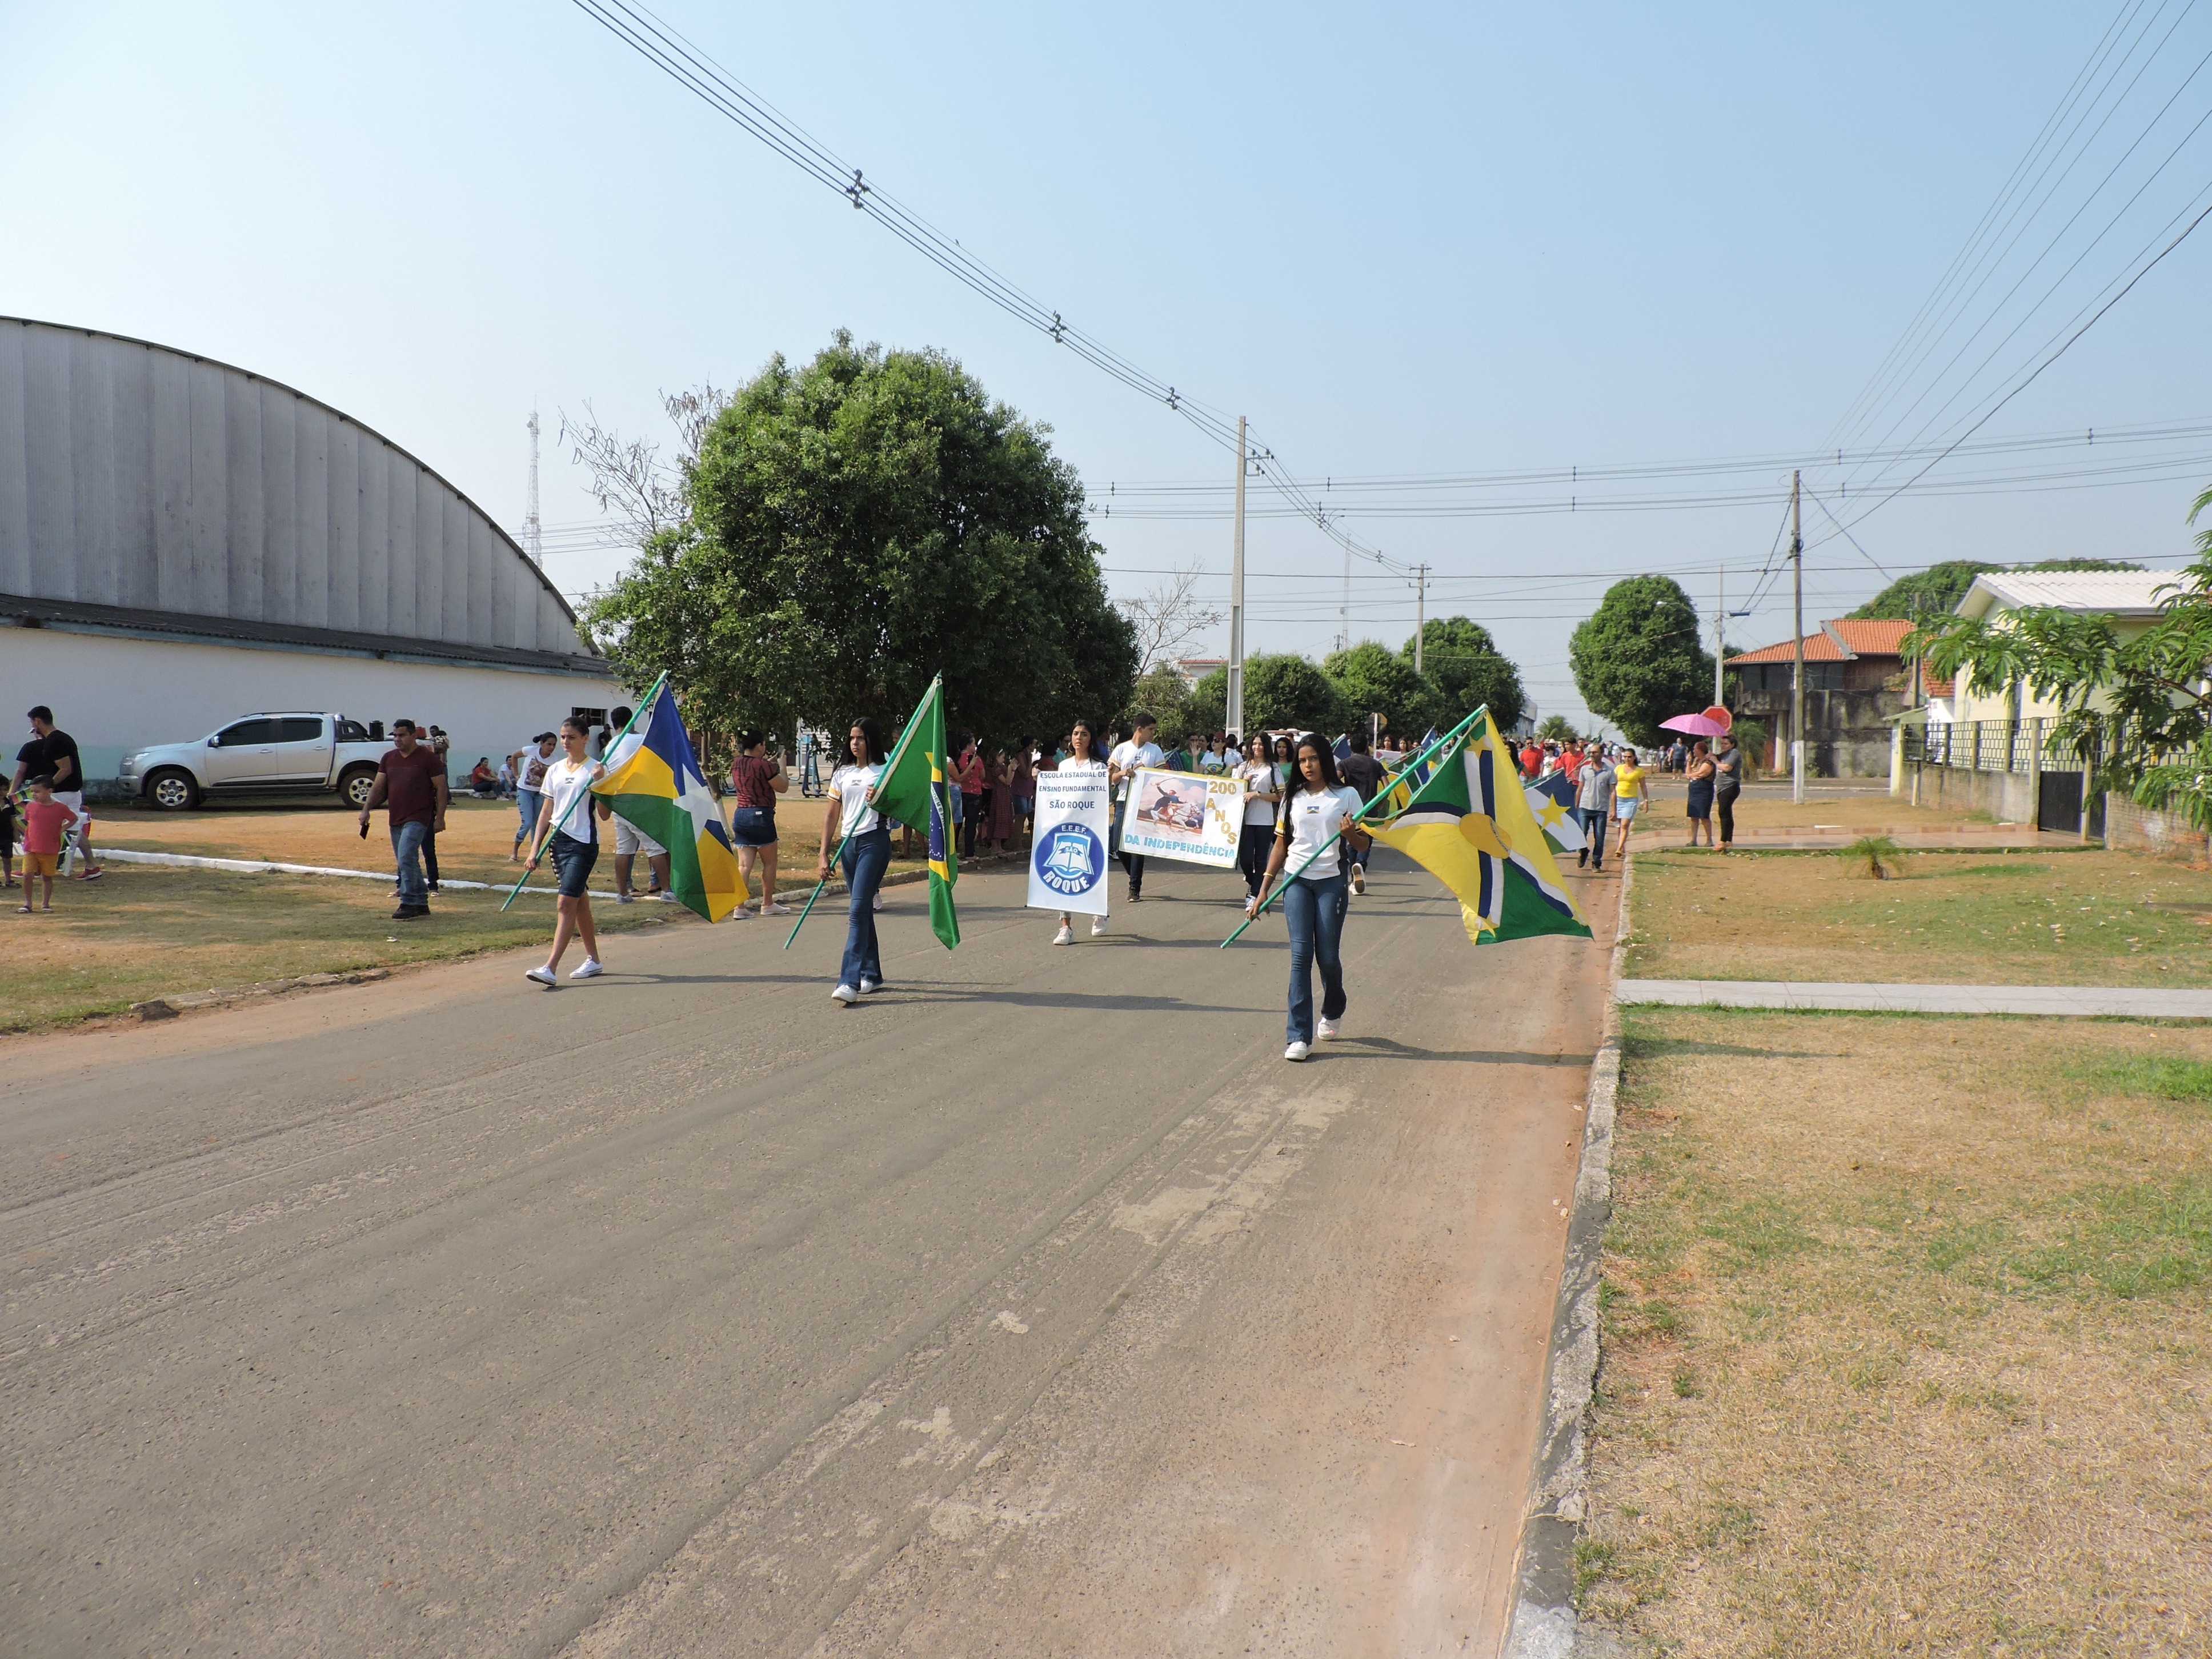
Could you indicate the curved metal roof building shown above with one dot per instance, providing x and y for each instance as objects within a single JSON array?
[{"x": 147, "y": 489}]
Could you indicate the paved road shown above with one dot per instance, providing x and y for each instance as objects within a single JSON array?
[{"x": 1035, "y": 1307}]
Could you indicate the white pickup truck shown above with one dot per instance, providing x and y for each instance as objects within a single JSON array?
[{"x": 260, "y": 754}]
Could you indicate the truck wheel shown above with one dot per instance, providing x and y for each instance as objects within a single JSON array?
[
  {"x": 173, "y": 791},
  {"x": 354, "y": 785}
]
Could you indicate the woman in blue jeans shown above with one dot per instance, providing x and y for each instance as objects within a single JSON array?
[
  {"x": 867, "y": 855},
  {"x": 1316, "y": 821}
]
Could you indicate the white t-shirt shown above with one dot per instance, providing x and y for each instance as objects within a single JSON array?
[
  {"x": 532, "y": 773},
  {"x": 1257, "y": 774},
  {"x": 855, "y": 815},
  {"x": 564, "y": 780},
  {"x": 1314, "y": 816},
  {"x": 1071, "y": 764},
  {"x": 1128, "y": 755}
]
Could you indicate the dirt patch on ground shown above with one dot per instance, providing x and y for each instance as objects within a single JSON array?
[
  {"x": 1905, "y": 1339},
  {"x": 2092, "y": 917}
]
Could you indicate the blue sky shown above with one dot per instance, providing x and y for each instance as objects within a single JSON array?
[{"x": 1403, "y": 239}]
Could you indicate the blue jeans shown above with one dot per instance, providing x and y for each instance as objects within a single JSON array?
[
  {"x": 407, "y": 840},
  {"x": 528, "y": 801},
  {"x": 1313, "y": 909},
  {"x": 1595, "y": 819},
  {"x": 866, "y": 857}
]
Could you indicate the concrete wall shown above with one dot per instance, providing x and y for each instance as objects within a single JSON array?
[
  {"x": 114, "y": 695},
  {"x": 2137, "y": 830},
  {"x": 133, "y": 475},
  {"x": 2008, "y": 797}
]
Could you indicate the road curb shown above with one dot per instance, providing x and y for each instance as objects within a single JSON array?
[
  {"x": 170, "y": 1007},
  {"x": 1544, "y": 1625}
]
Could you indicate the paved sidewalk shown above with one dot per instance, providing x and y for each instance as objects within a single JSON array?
[{"x": 2062, "y": 999}]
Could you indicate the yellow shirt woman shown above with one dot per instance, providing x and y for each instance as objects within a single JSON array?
[{"x": 1629, "y": 791}]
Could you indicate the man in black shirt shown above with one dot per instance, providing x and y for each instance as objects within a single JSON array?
[
  {"x": 1362, "y": 772},
  {"x": 51, "y": 753}
]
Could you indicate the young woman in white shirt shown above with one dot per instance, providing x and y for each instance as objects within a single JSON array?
[
  {"x": 1262, "y": 791},
  {"x": 867, "y": 855},
  {"x": 572, "y": 826},
  {"x": 1316, "y": 808},
  {"x": 1083, "y": 756}
]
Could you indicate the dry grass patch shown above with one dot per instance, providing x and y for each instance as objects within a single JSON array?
[
  {"x": 1767, "y": 805},
  {"x": 2092, "y": 917},
  {"x": 1905, "y": 1343}
]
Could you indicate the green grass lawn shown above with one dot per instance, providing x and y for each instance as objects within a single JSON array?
[
  {"x": 2092, "y": 917},
  {"x": 1905, "y": 1338},
  {"x": 146, "y": 931}
]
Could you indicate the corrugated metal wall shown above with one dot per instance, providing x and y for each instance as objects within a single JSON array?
[{"x": 133, "y": 475}]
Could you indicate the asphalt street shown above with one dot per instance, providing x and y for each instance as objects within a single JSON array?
[{"x": 1032, "y": 1306}]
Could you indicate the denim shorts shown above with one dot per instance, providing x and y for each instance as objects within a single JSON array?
[
  {"x": 752, "y": 826},
  {"x": 573, "y": 859}
]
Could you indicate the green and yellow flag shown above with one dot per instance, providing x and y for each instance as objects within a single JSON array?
[
  {"x": 1469, "y": 825},
  {"x": 913, "y": 791}
]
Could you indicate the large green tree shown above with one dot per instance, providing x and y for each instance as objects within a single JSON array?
[
  {"x": 1636, "y": 659},
  {"x": 1374, "y": 680},
  {"x": 1288, "y": 690},
  {"x": 1160, "y": 693},
  {"x": 1466, "y": 670},
  {"x": 857, "y": 524}
]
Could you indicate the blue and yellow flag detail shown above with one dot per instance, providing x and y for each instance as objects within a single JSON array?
[
  {"x": 1469, "y": 825},
  {"x": 914, "y": 790},
  {"x": 654, "y": 781}
]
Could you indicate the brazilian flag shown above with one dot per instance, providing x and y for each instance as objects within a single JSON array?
[
  {"x": 1469, "y": 825},
  {"x": 913, "y": 791}
]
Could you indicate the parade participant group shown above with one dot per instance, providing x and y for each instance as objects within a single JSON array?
[{"x": 1292, "y": 815}]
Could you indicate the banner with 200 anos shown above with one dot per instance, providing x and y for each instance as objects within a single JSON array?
[
  {"x": 1067, "y": 857},
  {"x": 1190, "y": 816}
]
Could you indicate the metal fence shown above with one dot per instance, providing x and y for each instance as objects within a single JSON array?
[{"x": 1987, "y": 747}]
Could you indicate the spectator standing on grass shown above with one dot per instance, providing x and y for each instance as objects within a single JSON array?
[
  {"x": 51, "y": 753},
  {"x": 1728, "y": 784},
  {"x": 7, "y": 838},
  {"x": 1122, "y": 765},
  {"x": 1021, "y": 781},
  {"x": 968, "y": 773},
  {"x": 1262, "y": 789},
  {"x": 1594, "y": 787},
  {"x": 1083, "y": 756},
  {"x": 529, "y": 785},
  {"x": 1000, "y": 822},
  {"x": 755, "y": 782},
  {"x": 1632, "y": 788},
  {"x": 1362, "y": 773},
  {"x": 439, "y": 746},
  {"x": 410, "y": 786},
  {"x": 568, "y": 819},
  {"x": 1701, "y": 772},
  {"x": 46, "y": 824}
]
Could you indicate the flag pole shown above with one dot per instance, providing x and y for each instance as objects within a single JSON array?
[
  {"x": 1388, "y": 787},
  {"x": 584, "y": 793},
  {"x": 898, "y": 751}
]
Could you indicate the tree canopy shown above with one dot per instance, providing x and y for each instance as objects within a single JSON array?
[
  {"x": 1466, "y": 671},
  {"x": 1636, "y": 659},
  {"x": 1288, "y": 690},
  {"x": 858, "y": 524},
  {"x": 1160, "y": 693},
  {"x": 1372, "y": 679}
]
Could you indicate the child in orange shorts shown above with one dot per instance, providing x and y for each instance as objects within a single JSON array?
[{"x": 46, "y": 823}]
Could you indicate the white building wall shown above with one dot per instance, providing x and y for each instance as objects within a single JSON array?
[{"x": 113, "y": 693}]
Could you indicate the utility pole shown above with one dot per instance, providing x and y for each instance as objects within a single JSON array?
[
  {"x": 1720, "y": 633},
  {"x": 1235, "y": 715},
  {"x": 1420, "y": 611},
  {"x": 532, "y": 538},
  {"x": 1797, "y": 604}
]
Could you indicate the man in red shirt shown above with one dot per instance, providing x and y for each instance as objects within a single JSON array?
[
  {"x": 410, "y": 785},
  {"x": 1532, "y": 759}
]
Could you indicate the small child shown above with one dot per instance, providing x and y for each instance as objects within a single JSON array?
[
  {"x": 46, "y": 823},
  {"x": 7, "y": 837}
]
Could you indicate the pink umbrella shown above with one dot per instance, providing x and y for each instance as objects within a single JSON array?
[{"x": 1713, "y": 723}]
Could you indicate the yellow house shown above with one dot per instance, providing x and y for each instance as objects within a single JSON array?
[{"x": 2130, "y": 598}]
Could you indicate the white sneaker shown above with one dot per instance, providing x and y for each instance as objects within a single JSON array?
[
  {"x": 1326, "y": 1031},
  {"x": 625, "y": 898},
  {"x": 1065, "y": 936},
  {"x": 869, "y": 987},
  {"x": 775, "y": 909},
  {"x": 1358, "y": 877},
  {"x": 1097, "y": 926},
  {"x": 544, "y": 975},
  {"x": 589, "y": 969},
  {"x": 1296, "y": 1051},
  {"x": 846, "y": 995},
  {"x": 741, "y": 913},
  {"x": 879, "y": 900},
  {"x": 668, "y": 896}
]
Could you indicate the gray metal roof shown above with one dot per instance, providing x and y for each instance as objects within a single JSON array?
[
  {"x": 147, "y": 479},
  {"x": 2112, "y": 592}
]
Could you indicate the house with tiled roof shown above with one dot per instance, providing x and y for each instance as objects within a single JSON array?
[{"x": 1855, "y": 679}]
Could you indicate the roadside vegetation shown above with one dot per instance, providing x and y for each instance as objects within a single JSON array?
[
  {"x": 1906, "y": 1329},
  {"x": 2086, "y": 918}
]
